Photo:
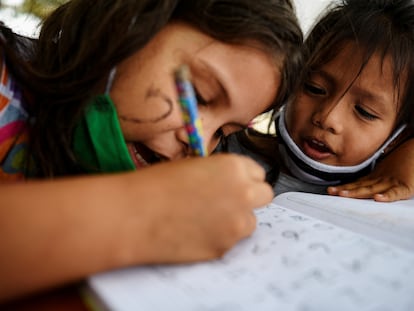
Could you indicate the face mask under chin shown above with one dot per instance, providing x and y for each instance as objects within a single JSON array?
[
  {"x": 306, "y": 169},
  {"x": 98, "y": 141}
]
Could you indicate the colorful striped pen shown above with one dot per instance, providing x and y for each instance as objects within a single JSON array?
[{"x": 188, "y": 103}]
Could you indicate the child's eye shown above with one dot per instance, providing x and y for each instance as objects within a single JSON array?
[
  {"x": 200, "y": 100},
  {"x": 314, "y": 89},
  {"x": 365, "y": 114}
]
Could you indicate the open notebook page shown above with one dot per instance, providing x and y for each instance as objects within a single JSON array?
[
  {"x": 293, "y": 261},
  {"x": 391, "y": 222}
]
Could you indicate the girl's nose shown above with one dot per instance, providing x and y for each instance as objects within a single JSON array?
[
  {"x": 209, "y": 135},
  {"x": 182, "y": 137}
]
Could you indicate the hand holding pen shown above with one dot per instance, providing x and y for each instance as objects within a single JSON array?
[{"x": 188, "y": 103}]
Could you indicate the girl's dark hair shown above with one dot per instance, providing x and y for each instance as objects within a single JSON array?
[
  {"x": 83, "y": 39},
  {"x": 385, "y": 27}
]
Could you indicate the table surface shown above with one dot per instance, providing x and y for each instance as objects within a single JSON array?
[{"x": 62, "y": 299}]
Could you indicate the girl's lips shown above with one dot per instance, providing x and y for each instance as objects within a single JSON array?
[
  {"x": 141, "y": 155},
  {"x": 316, "y": 150},
  {"x": 136, "y": 157}
]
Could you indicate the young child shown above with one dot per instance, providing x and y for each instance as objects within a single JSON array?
[
  {"x": 95, "y": 94},
  {"x": 354, "y": 104}
]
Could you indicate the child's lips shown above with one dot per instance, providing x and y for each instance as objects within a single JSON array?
[
  {"x": 316, "y": 149},
  {"x": 142, "y": 155}
]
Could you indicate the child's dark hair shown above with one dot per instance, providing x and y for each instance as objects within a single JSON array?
[
  {"x": 83, "y": 39},
  {"x": 385, "y": 27}
]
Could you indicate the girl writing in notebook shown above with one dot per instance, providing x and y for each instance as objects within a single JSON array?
[
  {"x": 354, "y": 103},
  {"x": 96, "y": 95}
]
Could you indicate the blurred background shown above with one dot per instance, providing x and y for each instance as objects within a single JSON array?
[{"x": 24, "y": 15}]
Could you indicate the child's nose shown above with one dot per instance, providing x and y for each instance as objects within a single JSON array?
[
  {"x": 210, "y": 138},
  {"x": 330, "y": 117},
  {"x": 182, "y": 137}
]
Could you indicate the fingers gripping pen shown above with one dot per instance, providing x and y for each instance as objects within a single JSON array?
[{"x": 188, "y": 103}]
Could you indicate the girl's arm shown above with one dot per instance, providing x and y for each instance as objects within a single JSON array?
[
  {"x": 392, "y": 179},
  {"x": 55, "y": 232}
]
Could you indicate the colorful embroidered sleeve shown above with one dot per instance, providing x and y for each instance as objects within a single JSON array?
[{"x": 13, "y": 128}]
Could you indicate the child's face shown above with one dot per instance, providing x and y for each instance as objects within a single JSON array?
[
  {"x": 234, "y": 84},
  {"x": 339, "y": 126}
]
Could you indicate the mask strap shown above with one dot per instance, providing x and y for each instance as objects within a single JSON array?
[{"x": 396, "y": 133}]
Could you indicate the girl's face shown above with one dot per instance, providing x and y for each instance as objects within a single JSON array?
[
  {"x": 337, "y": 122},
  {"x": 233, "y": 83}
]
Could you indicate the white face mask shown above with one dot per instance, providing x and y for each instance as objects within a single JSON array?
[{"x": 306, "y": 169}]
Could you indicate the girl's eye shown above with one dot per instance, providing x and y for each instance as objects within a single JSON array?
[
  {"x": 364, "y": 114},
  {"x": 313, "y": 89}
]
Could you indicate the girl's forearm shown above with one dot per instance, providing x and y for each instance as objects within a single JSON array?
[
  {"x": 55, "y": 232},
  {"x": 60, "y": 231}
]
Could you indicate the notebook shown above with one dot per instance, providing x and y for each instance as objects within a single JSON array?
[{"x": 308, "y": 252}]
